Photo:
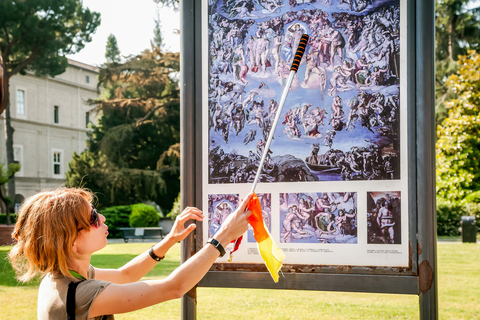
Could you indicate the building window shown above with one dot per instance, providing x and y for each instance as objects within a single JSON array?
[
  {"x": 17, "y": 154},
  {"x": 55, "y": 114},
  {"x": 87, "y": 79},
  {"x": 21, "y": 102},
  {"x": 17, "y": 157},
  {"x": 87, "y": 119},
  {"x": 57, "y": 162}
]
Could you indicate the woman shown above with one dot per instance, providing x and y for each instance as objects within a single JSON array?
[{"x": 58, "y": 231}]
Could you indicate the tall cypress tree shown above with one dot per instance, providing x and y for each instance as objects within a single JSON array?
[
  {"x": 112, "y": 52},
  {"x": 157, "y": 32}
]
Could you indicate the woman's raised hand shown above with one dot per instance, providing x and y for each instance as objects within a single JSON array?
[
  {"x": 179, "y": 231},
  {"x": 236, "y": 223}
]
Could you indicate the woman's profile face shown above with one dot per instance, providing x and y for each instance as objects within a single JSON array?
[{"x": 95, "y": 239}]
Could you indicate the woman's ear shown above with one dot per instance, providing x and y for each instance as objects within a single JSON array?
[{"x": 75, "y": 248}]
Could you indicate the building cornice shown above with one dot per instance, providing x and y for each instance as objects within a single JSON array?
[
  {"x": 63, "y": 81},
  {"x": 50, "y": 125},
  {"x": 83, "y": 66}
]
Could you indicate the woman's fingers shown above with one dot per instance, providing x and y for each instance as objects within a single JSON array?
[
  {"x": 245, "y": 202},
  {"x": 190, "y": 213}
]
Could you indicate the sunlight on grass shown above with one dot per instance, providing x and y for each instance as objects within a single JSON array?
[{"x": 458, "y": 275}]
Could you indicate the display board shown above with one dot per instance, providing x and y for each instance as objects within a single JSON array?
[
  {"x": 334, "y": 185},
  {"x": 348, "y": 188}
]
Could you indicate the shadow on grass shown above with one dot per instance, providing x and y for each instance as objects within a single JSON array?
[
  {"x": 107, "y": 261},
  {"x": 114, "y": 261}
]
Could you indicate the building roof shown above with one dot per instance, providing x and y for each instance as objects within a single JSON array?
[{"x": 82, "y": 65}]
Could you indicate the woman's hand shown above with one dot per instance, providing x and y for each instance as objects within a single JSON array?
[
  {"x": 236, "y": 223},
  {"x": 179, "y": 232}
]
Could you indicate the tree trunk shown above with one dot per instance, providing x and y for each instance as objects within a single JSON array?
[{"x": 9, "y": 147}]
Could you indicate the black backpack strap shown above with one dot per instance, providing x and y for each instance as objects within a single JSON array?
[{"x": 72, "y": 288}]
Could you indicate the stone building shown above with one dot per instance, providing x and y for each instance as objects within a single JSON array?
[{"x": 50, "y": 118}]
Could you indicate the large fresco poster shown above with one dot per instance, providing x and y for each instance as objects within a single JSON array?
[
  {"x": 341, "y": 121},
  {"x": 342, "y": 131}
]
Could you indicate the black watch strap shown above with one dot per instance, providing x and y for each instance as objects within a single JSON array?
[
  {"x": 217, "y": 245},
  {"x": 154, "y": 256}
]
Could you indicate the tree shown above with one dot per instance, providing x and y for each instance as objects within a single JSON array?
[
  {"x": 112, "y": 52},
  {"x": 457, "y": 29},
  {"x": 458, "y": 144},
  {"x": 169, "y": 3},
  {"x": 37, "y": 35},
  {"x": 157, "y": 32},
  {"x": 133, "y": 152},
  {"x": 5, "y": 176}
]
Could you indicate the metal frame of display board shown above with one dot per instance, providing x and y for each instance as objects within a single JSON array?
[{"x": 420, "y": 278}]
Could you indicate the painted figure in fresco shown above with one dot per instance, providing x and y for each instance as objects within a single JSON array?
[
  {"x": 354, "y": 45},
  {"x": 222, "y": 211},
  {"x": 386, "y": 222},
  {"x": 337, "y": 43}
]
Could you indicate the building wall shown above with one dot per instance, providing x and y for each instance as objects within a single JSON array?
[{"x": 37, "y": 137}]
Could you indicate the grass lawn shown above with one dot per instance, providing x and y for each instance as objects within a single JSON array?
[{"x": 458, "y": 277}]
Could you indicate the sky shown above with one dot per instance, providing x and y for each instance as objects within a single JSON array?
[{"x": 132, "y": 23}]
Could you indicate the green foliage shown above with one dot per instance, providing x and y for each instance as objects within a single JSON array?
[
  {"x": 449, "y": 217},
  {"x": 112, "y": 52},
  {"x": 473, "y": 198},
  {"x": 449, "y": 214},
  {"x": 458, "y": 144},
  {"x": 157, "y": 32},
  {"x": 85, "y": 170},
  {"x": 457, "y": 30},
  {"x": 37, "y": 35},
  {"x": 7, "y": 173},
  {"x": 472, "y": 206},
  {"x": 3, "y": 218},
  {"x": 117, "y": 217},
  {"x": 133, "y": 153},
  {"x": 169, "y": 3},
  {"x": 175, "y": 209},
  {"x": 143, "y": 215}
]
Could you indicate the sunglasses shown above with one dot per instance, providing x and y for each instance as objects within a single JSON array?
[{"x": 94, "y": 220}]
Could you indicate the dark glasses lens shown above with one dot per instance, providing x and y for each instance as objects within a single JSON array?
[{"x": 94, "y": 220}]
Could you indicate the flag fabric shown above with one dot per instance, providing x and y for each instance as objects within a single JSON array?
[{"x": 271, "y": 254}]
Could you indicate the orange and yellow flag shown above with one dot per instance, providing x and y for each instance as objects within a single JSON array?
[{"x": 271, "y": 254}]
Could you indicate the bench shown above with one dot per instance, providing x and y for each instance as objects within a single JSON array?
[{"x": 142, "y": 233}]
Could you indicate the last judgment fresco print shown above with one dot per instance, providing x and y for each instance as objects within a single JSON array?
[{"x": 341, "y": 120}]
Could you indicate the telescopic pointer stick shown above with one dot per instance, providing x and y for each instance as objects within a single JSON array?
[
  {"x": 293, "y": 69},
  {"x": 295, "y": 64}
]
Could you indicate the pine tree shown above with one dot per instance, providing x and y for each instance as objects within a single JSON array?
[
  {"x": 112, "y": 52},
  {"x": 37, "y": 36},
  {"x": 133, "y": 152}
]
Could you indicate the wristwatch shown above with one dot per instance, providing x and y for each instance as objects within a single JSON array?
[{"x": 217, "y": 245}]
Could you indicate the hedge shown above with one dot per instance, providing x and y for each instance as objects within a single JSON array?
[
  {"x": 117, "y": 217},
  {"x": 3, "y": 218},
  {"x": 143, "y": 215},
  {"x": 449, "y": 216}
]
